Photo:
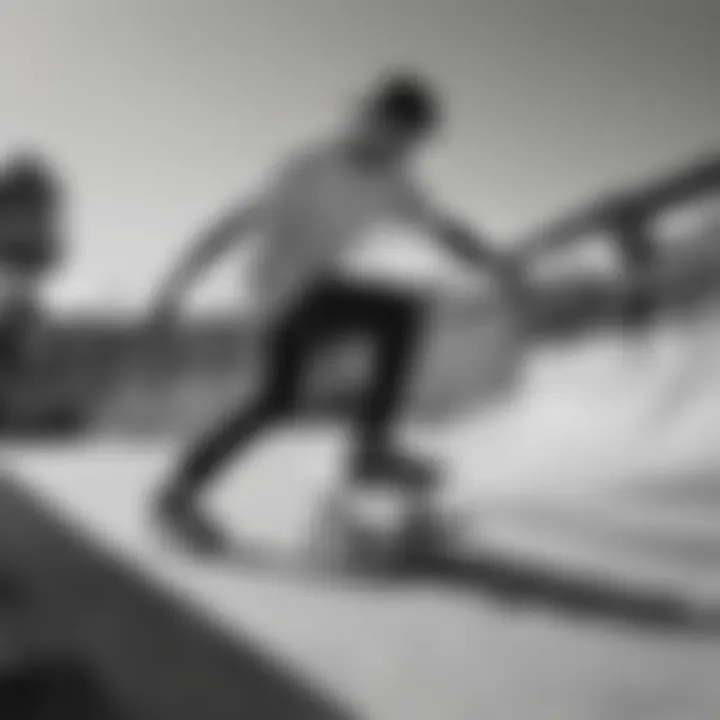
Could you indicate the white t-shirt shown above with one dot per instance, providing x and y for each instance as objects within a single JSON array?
[{"x": 317, "y": 210}]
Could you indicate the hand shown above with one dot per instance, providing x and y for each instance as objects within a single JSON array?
[
  {"x": 160, "y": 336},
  {"x": 166, "y": 310},
  {"x": 519, "y": 295},
  {"x": 515, "y": 281}
]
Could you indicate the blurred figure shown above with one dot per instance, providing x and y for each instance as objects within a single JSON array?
[
  {"x": 628, "y": 216},
  {"x": 322, "y": 203},
  {"x": 39, "y": 685},
  {"x": 631, "y": 227},
  {"x": 29, "y": 251}
]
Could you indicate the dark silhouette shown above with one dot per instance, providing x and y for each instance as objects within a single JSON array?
[
  {"x": 627, "y": 216},
  {"x": 30, "y": 249}
]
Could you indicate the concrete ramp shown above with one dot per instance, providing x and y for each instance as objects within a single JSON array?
[
  {"x": 434, "y": 648},
  {"x": 156, "y": 656}
]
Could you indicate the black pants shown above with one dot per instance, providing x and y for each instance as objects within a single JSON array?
[{"x": 331, "y": 310}]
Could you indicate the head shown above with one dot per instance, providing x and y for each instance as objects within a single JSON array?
[
  {"x": 397, "y": 117},
  {"x": 28, "y": 178},
  {"x": 30, "y": 202}
]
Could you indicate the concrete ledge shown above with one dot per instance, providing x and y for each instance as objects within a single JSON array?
[{"x": 161, "y": 659}]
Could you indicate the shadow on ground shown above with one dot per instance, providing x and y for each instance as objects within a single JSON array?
[
  {"x": 506, "y": 580},
  {"x": 514, "y": 582}
]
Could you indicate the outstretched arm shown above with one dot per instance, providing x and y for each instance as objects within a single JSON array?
[
  {"x": 212, "y": 243},
  {"x": 465, "y": 244},
  {"x": 471, "y": 248}
]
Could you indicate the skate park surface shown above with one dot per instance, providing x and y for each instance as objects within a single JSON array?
[{"x": 574, "y": 476}]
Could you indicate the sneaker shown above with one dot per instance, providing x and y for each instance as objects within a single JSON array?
[
  {"x": 188, "y": 524},
  {"x": 361, "y": 529}
]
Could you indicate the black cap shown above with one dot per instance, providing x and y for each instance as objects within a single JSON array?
[{"x": 407, "y": 99}]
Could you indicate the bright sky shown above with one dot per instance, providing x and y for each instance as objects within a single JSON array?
[{"x": 159, "y": 111}]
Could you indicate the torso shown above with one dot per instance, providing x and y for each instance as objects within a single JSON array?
[{"x": 320, "y": 208}]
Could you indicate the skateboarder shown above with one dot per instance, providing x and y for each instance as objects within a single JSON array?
[{"x": 323, "y": 201}]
